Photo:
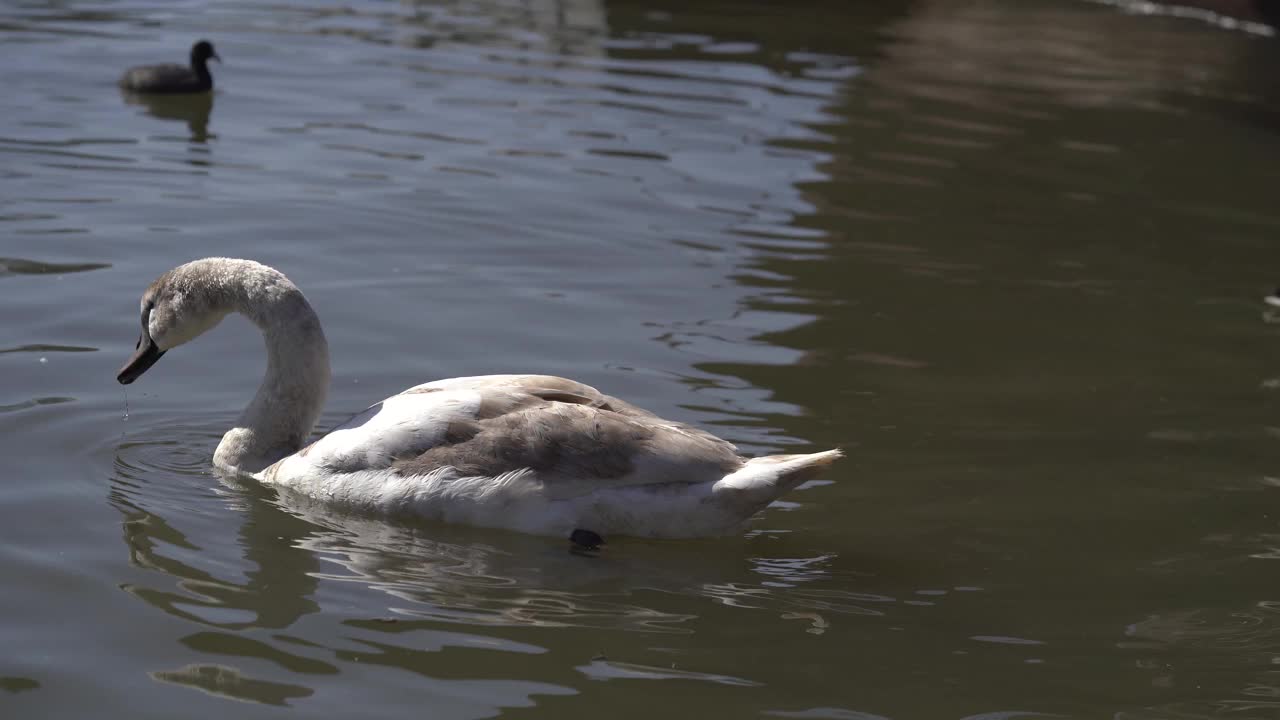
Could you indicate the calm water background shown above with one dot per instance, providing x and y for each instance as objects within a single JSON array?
[{"x": 1010, "y": 254}]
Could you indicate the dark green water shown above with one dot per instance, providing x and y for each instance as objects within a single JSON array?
[{"x": 1009, "y": 254}]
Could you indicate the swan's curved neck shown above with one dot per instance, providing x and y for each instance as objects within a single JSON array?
[{"x": 278, "y": 420}]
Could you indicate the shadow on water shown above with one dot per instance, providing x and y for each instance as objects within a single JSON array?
[{"x": 194, "y": 110}]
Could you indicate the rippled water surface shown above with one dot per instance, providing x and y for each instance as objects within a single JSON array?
[{"x": 1009, "y": 254}]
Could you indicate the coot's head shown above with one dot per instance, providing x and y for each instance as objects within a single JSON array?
[{"x": 202, "y": 51}]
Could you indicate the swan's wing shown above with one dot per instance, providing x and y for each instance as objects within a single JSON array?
[
  {"x": 501, "y": 389},
  {"x": 570, "y": 436},
  {"x": 574, "y": 438},
  {"x": 401, "y": 426}
]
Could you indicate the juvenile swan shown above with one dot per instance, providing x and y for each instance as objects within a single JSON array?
[
  {"x": 171, "y": 78},
  {"x": 533, "y": 453}
]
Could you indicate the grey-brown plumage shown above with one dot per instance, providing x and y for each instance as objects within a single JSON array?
[
  {"x": 171, "y": 78},
  {"x": 567, "y": 431}
]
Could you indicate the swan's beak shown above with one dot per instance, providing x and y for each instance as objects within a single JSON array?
[
  {"x": 146, "y": 355},
  {"x": 215, "y": 57}
]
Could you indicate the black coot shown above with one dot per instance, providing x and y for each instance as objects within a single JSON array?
[{"x": 171, "y": 78}]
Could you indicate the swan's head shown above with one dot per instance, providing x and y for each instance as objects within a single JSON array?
[{"x": 179, "y": 306}]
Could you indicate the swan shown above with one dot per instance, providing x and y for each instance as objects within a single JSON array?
[
  {"x": 532, "y": 453},
  {"x": 171, "y": 78}
]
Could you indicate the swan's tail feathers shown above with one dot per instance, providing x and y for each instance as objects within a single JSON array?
[{"x": 765, "y": 479}]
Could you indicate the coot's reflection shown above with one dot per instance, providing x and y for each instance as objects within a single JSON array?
[{"x": 193, "y": 109}]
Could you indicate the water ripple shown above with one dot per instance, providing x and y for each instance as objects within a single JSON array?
[
  {"x": 18, "y": 684},
  {"x": 37, "y": 348},
  {"x": 229, "y": 682},
  {"x": 18, "y": 266},
  {"x": 34, "y": 402},
  {"x": 610, "y": 670}
]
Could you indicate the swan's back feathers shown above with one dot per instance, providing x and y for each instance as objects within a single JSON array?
[
  {"x": 540, "y": 454},
  {"x": 499, "y": 390},
  {"x": 575, "y": 449},
  {"x": 574, "y": 438}
]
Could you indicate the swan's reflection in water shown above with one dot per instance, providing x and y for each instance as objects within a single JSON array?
[
  {"x": 155, "y": 481},
  {"x": 280, "y": 588},
  {"x": 476, "y": 577}
]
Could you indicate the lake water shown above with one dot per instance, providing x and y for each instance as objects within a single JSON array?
[{"x": 1009, "y": 254}]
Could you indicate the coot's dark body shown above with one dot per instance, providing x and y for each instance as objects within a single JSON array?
[{"x": 171, "y": 78}]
